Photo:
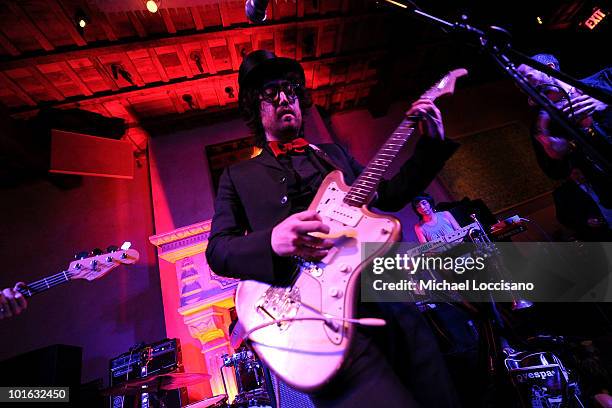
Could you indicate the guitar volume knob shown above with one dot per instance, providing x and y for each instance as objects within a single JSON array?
[{"x": 335, "y": 293}]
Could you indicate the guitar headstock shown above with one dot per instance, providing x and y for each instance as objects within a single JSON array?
[
  {"x": 445, "y": 86},
  {"x": 96, "y": 266}
]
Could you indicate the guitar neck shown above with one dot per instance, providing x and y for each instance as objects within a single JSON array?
[
  {"x": 362, "y": 190},
  {"x": 364, "y": 187},
  {"x": 44, "y": 284}
]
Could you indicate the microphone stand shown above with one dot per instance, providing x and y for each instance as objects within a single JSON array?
[{"x": 496, "y": 43}]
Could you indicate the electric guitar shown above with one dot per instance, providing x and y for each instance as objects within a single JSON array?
[
  {"x": 302, "y": 332},
  {"x": 90, "y": 268}
]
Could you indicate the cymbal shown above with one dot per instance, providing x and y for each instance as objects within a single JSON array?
[{"x": 154, "y": 383}]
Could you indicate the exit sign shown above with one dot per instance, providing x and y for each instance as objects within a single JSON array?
[{"x": 595, "y": 19}]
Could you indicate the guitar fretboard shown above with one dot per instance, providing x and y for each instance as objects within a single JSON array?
[
  {"x": 42, "y": 285},
  {"x": 365, "y": 185},
  {"x": 363, "y": 188}
]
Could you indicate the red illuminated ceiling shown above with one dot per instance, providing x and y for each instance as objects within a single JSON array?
[{"x": 132, "y": 64}]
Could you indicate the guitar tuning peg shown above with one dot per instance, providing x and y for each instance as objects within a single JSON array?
[
  {"x": 81, "y": 255},
  {"x": 111, "y": 248},
  {"x": 96, "y": 252}
]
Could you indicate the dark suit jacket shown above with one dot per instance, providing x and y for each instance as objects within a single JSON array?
[{"x": 252, "y": 200}]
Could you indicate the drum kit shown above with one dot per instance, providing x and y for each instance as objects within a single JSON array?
[{"x": 251, "y": 381}]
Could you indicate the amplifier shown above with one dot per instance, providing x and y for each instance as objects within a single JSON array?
[{"x": 144, "y": 361}]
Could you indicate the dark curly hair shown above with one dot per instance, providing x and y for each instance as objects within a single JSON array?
[
  {"x": 249, "y": 104},
  {"x": 416, "y": 200}
]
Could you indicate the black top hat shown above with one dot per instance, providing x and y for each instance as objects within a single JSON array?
[{"x": 262, "y": 65}]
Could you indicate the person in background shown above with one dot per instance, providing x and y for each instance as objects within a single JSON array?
[
  {"x": 579, "y": 208},
  {"x": 432, "y": 225},
  {"x": 556, "y": 154}
]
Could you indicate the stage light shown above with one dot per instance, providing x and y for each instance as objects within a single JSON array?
[
  {"x": 152, "y": 6},
  {"x": 81, "y": 19},
  {"x": 539, "y": 19}
]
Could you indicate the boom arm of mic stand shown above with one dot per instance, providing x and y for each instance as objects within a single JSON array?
[{"x": 485, "y": 41}]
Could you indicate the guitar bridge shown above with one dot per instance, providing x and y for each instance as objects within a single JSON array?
[{"x": 280, "y": 303}]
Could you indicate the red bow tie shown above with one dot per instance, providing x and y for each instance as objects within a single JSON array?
[{"x": 295, "y": 146}]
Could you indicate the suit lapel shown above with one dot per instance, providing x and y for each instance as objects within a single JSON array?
[{"x": 267, "y": 159}]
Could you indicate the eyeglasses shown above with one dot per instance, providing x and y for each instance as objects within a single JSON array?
[{"x": 271, "y": 92}]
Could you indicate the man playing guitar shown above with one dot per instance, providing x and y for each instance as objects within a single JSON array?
[{"x": 261, "y": 224}]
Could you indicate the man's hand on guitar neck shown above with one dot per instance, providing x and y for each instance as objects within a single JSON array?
[
  {"x": 431, "y": 118},
  {"x": 12, "y": 302},
  {"x": 292, "y": 236}
]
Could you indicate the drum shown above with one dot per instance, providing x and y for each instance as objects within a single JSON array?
[{"x": 250, "y": 379}]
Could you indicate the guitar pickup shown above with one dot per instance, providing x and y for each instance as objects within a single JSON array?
[{"x": 344, "y": 214}]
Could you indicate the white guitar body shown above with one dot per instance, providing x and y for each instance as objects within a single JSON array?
[{"x": 306, "y": 354}]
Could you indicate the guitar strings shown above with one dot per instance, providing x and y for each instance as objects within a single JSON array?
[
  {"x": 50, "y": 281},
  {"x": 399, "y": 140}
]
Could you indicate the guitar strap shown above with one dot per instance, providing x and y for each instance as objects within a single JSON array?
[
  {"x": 237, "y": 335},
  {"x": 325, "y": 157}
]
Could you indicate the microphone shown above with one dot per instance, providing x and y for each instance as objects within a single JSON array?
[{"x": 256, "y": 10}]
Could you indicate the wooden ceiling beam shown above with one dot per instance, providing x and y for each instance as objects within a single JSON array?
[
  {"x": 138, "y": 44},
  {"x": 44, "y": 81},
  {"x": 135, "y": 21},
  {"x": 176, "y": 101},
  {"x": 29, "y": 25},
  {"x": 224, "y": 14},
  {"x": 16, "y": 89},
  {"x": 158, "y": 66},
  {"x": 318, "y": 51},
  {"x": 184, "y": 63},
  {"x": 197, "y": 17},
  {"x": 75, "y": 78},
  {"x": 346, "y": 5},
  {"x": 210, "y": 62},
  {"x": 104, "y": 74},
  {"x": 133, "y": 119},
  {"x": 68, "y": 23},
  {"x": 167, "y": 20},
  {"x": 8, "y": 45},
  {"x": 122, "y": 94},
  {"x": 129, "y": 65},
  {"x": 99, "y": 18},
  {"x": 340, "y": 38}
]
